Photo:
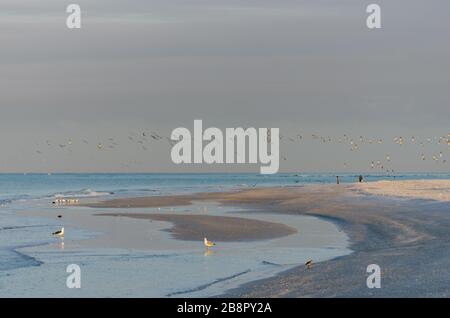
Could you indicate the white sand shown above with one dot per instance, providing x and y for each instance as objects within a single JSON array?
[{"x": 420, "y": 189}]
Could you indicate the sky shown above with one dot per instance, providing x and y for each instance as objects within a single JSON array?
[{"x": 142, "y": 66}]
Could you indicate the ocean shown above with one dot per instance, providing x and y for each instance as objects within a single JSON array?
[{"x": 14, "y": 187}]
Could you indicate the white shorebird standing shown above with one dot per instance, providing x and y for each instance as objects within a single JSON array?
[
  {"x": 308, "y": 264},
  {"x": 208, "y": 243},
  {"x": 59, "y": 233}
]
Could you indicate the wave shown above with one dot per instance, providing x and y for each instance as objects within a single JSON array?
[
  {"x": 83, "y": 193},
  {"x": 134, "y": 190}
]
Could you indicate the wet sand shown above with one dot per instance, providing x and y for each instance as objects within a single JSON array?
[
  {"x": 221, "y": 228},
  {"x": 408, "y": 238},
  {"x": 438, "y": 190},
  {"x": 239, "y": 197}
]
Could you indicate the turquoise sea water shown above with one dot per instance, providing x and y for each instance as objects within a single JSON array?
[
  {"x": 29, "y": 265},
  {"x": 20, "y": 187}
]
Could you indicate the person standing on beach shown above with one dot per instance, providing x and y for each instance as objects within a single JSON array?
[
  {"x": 337, "y": 179},
  {"x": 360, "y": 178}
]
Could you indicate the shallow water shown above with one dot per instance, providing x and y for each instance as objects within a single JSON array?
[{"x": 157, "y": 265}]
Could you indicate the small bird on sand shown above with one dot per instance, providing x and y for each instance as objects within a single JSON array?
[
  {"x": 59, "y": 233},
  {"x": 208, "y": 243},
  {"x": 308, "y": 264}
]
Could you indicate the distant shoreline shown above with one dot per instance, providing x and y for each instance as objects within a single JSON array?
[{"x": 438, "y": 190}]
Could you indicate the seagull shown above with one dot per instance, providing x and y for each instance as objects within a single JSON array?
[
  {"x": 308, "y": 264},
  {"x": 59, "y": 233},
  {"x": 208, "y": 243}
]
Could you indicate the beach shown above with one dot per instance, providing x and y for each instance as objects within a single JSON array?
[
  {"x": 407, "y": 238},
  {"x": 152, "y": 245}
]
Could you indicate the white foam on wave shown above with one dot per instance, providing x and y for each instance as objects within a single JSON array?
[{"x": 85, "y": 193}]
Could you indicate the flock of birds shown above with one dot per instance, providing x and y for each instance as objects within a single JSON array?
[
  {"x": 142, "y": 140},
  {"x": 355, "y": 144},
  {"x": 425, "y": 147}
]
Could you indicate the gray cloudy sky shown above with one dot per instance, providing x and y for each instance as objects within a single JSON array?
[{"x": 307, "y": 67}]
